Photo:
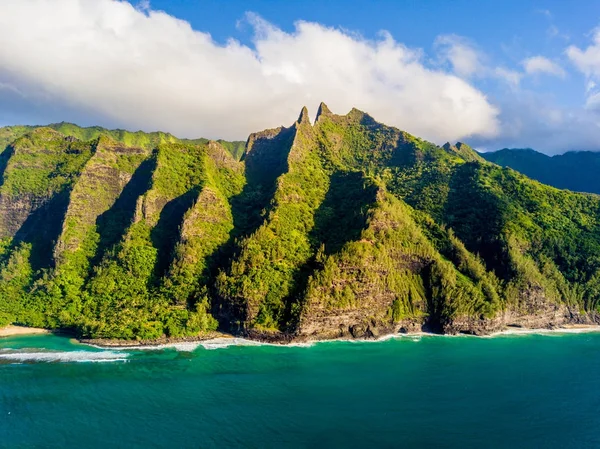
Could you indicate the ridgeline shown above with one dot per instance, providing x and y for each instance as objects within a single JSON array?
[{"x": 341, "y": 228}]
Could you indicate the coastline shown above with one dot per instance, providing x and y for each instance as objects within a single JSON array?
[
  {"x": 565, "y": 329},
  {"x": 221, "y": 340},
  {"x": 11, "y": 331}
]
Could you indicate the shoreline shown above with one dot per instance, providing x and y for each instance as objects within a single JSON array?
[
  {"x": 566, "y": 329},
  {"x": 221, "y": 340},
  {"x": 12, "y": 331}
]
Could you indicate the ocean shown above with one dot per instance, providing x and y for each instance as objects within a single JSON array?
[{"x": 431, "y": 391}]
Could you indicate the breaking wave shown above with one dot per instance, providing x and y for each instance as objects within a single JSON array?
[{"x": 22, "y": 356}]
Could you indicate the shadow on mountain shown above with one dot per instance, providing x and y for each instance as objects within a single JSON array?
[
  {"x": 478, "y": 217},
  {"x": 113, "y": 223},
  {"x": 42, "y": 228},
  {"x": 340, "y": 219},
  {"x": 266, "y": 161},
  {"x": 4, "y": 158},
  {"x": 369, "y": 122},
  {"x": 165, "y": 234},
  {"x": 435, "y": 309},
  {"x": 342, "y": 215}
]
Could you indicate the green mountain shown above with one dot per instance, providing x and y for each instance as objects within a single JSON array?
[
  {"x": 574, "y": 170},
  {"x": 344, "y": 227},
  {"x": 133, "y": 139}
]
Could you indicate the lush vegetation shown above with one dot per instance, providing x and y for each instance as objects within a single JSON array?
[{"x": 344, "y": 226}]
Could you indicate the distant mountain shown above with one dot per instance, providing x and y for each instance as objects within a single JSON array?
[
  {"x": 341, "y": 228},
  {"x": 578, "y": 171}
]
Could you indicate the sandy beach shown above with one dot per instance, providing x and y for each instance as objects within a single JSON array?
[
  {"x": 566, "y": 329},
  {"x": 10, "y": 331}
]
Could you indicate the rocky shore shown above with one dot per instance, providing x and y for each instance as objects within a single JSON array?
[
  {"x": 559, "y": 320},
  {"x": 119, "y": 343},
  {"x": 539, "y": 317}
]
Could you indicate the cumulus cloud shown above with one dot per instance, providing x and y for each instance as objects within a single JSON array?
[
  {"x": 465, "y": 59},
  {"x": 468, "y": 61},
  {"x": 114, "y": 63},
  {"x": 532, "y": 120},
  {"x": 588, "y": 60},
  {"x": 540, "y": 64}
]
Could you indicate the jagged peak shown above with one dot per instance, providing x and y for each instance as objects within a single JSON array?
[
  {"x": 462, "y": 150},
  {"x": 323, "y": 111},
  {"x": 303, "y": 117},
  {"x": 360, "y": 116},
  {"x": 265, "y": 134}
]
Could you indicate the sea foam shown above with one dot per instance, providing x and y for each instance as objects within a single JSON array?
[{"x": 64, "y": 356}]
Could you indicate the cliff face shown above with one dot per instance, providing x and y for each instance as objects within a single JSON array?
[{"x": 341, "y": 228}]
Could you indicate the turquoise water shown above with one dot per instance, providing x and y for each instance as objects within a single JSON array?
[{"x": 517, "y": 391}]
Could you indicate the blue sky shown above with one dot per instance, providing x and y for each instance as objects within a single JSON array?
[
  {"x": 508, "y": 31},
  {"x": 491, "y": 73}
]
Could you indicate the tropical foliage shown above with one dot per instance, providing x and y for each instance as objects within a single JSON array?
[{"x": 319, "y": 230}]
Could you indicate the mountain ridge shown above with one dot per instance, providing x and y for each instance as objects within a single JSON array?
[{"x": 344, "y": 227}]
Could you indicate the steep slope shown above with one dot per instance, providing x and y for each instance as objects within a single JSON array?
[
  {"x": 85, "y": 235},
  {"x": 205, "y": 231},
  {"x": 390, "y": 279},
  {"x": 392, "y": 275},
  {"x": 266, "y": 274},
  {"x": 123, "y": 285},
  {"x": 331, "y": 188},
  {"x": 38, "y": 172},
  {"x": 8, "y": 134},
  {"x": 574, "y": 170},
  {"x": 344, "y": 227},
  {"x": 115, "y": 213}
]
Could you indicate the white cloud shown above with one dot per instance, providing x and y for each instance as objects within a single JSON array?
[
  {"x": 588, "y": 60},
  {"x": 468, "y": 61},
  {"x": 109, "y": 62},
  {"x": 462, "y": 55},
  {"x": 510, "y": 77},
  {"x": 143, "y": 5},
  {"x": 532, "y": 120},
  {"x": 541, "y": 65}
]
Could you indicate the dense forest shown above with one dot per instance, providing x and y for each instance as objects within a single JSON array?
[{"x": 344, "y": 227}]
